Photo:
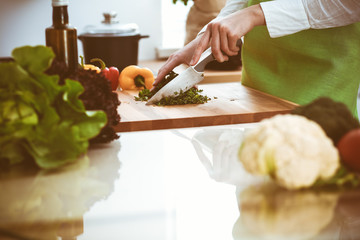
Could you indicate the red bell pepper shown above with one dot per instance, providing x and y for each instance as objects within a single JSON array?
[{"x": 112, "y": 73}]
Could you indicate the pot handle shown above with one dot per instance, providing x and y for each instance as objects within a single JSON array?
[{"x": 144, "y": 36}]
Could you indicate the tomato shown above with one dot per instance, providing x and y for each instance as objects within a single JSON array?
[{"x": 349, "y": 149}]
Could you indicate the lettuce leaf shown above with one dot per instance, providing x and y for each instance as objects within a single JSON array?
[{"x": 41, "y": 120}]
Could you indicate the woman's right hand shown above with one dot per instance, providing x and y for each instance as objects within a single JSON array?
[
  {"x": 223, "y": 34},
  {"x": 182, "y": 56}
]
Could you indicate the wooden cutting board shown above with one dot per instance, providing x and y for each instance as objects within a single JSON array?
[{"x": 234, "y": 103}]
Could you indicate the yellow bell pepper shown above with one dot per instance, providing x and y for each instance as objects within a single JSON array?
[
  {"x": 89, "y": 66},
  {"x": 136, "y": 78},
  {"x": 92, "y": 67}
]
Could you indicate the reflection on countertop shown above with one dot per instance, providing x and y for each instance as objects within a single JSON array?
[
  {"x": 43, "y": 204},
  {"x": 152, "y": 185},
  {"x": 268, "y": 211}
]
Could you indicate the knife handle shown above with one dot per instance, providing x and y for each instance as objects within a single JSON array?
[{"x": 207, "y": 57}]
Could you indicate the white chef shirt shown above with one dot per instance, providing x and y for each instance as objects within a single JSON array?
[{"x": 284, "y": 17}]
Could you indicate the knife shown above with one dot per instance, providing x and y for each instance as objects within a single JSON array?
[{"x": 186, "y": 79}]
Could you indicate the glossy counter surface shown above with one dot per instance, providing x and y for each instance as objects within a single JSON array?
[{"x": 152, "y": 185}]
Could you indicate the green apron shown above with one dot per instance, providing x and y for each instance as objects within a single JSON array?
[{"x": 306, "y": 65}]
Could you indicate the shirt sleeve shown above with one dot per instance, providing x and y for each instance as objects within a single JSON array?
[
  {"x": 284, "y": 17},
  {"x": 332, "y": 13}
]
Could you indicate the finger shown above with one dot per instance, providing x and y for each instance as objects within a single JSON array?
[
  {"x": 232, "y": 40},
  {"x": 160, "y": 76},
  {"x": 224, "y": 42},
  {"x": 215, "y": 44},
  {"x": 165, "y": 69},
  {"x": 200, "y": 48}
]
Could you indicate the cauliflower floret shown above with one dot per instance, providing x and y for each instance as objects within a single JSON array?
[{"x": 291, "y": 149}]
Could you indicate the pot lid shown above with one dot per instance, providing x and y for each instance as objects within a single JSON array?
[{"x": 111, "y": 26}]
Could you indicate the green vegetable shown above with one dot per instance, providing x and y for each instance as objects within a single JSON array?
[
  {"x": 191, "y": 96},
  {"x": 97, "y": 95},
  {"x": 183, "y": 1},
  {"x": 143, "y": 95},
  {"x": 334, "y": 117},
  {"x": 39, "y": 119},
  {"x": 343, "y": 177}
]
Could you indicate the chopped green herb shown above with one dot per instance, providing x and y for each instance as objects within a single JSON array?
[{"x": 191, "y": 96}]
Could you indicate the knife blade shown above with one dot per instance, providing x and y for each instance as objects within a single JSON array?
[{"x": 186, "y": 79}]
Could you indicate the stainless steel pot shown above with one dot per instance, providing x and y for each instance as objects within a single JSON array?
[{"x": 116, "y": 44}]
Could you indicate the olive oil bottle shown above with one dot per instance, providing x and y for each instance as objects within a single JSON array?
[{"x": 61, "y": 36}]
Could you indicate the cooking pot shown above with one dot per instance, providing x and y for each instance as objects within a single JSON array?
[{"x": 116, "y": 44}]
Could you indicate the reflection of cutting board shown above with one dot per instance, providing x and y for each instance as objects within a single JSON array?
[{"x": 234, "y": 104}]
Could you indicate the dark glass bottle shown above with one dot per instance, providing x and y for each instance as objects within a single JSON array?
[{"x": 61, "y": 36}]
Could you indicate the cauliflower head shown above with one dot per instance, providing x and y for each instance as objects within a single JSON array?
[{"x": 291, "y": 149}]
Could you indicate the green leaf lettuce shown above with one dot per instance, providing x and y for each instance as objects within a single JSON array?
[{"x": 40, "y": 119}]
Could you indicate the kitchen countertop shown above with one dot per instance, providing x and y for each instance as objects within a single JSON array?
[
  {"x": 168, "y": 185},
  {"x": 157, "y": 185}
]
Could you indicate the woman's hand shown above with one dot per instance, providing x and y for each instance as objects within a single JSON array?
[
  {"x": 181, "y": 56},
  {"x": 222, "y": 35}
]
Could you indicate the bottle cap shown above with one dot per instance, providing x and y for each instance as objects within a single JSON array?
[{"x": 58, "y": 3}]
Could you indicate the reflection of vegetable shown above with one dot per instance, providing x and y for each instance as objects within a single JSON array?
[
  {"x": 111, "y": 73},
  {"x": 348, "y": 211},
  {"x": 191, "y": 96},
  {"x": 349, "y": 149},
  {"x": 270, "y": 212},
  {"x": 39, "y": 119},
  {"x": 334, "y": 117},
  {"x": 291, "y": 149},
  {"x": 40, "y": 204},
  {"x": 135, "y": 78}
]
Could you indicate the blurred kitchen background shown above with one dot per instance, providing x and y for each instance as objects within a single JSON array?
[{"x": 23, "y": 22}]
